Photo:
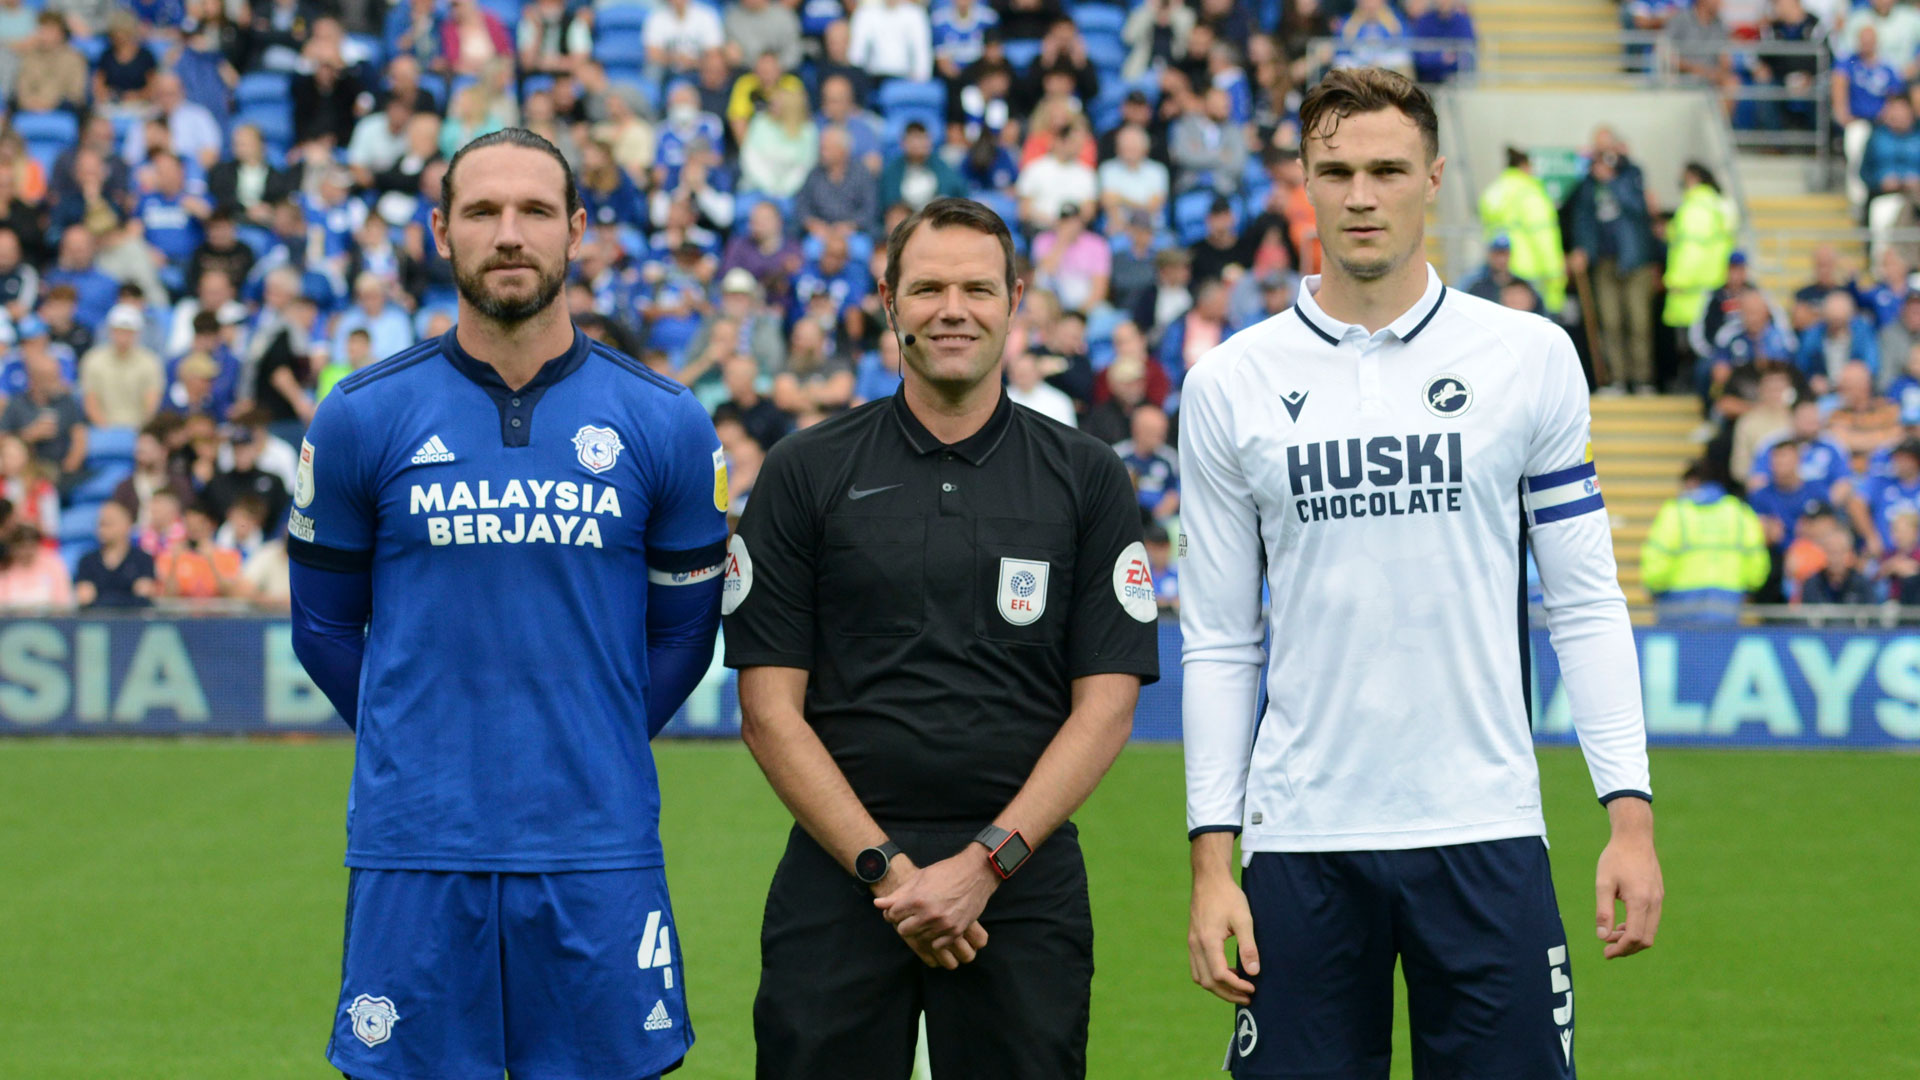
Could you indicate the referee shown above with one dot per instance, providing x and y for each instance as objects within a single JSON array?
[{"x": 942, "y": 614}]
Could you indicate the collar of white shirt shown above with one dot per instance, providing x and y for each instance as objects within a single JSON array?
[{"x": 1333, "y": 331}]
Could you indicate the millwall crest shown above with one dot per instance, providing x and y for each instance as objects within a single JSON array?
[
  {"x": 373, "y": 1019},
  {"x": 599, "y": 447},
  {"x": 1023, "y": 590}
]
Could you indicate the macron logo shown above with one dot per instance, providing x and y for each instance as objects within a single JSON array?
[{"x": 432, "y": 452}]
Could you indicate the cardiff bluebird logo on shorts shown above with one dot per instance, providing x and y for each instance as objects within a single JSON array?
[
  {"x": 373, "y": 1019},
  {"x": 1446, "y": 395}
]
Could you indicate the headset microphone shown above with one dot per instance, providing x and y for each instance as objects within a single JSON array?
[
  {"x": 909, "y": 340},
  {"x": 905, "y": 342}
]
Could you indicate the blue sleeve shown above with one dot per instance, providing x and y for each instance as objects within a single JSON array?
[
  {"x": 682, "y": 622},
  {"x": 330, "y": 612},
  {"x": 331, "y": 524},
  {"x": 686, "y": 547}
]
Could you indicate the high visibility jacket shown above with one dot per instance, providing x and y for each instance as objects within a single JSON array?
[
  {"x": 1699, "y": 241},
  {"x": 1704, "y": 554},
  {"x": 1517, "y": 205}
]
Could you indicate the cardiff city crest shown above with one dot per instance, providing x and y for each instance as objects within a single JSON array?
[
  {"x": 599, "y": 447},
  {"x": 373, "y": 1019}
]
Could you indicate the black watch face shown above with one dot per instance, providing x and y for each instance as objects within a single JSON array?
[
  {"x": 870, "y": 865},
  {"x": 1012, "y": 853}
]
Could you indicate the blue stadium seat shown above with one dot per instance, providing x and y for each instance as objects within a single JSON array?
[
  {"x": 46, "y": 135},
  {"x": 436, "y": 84},
  {"x": 76, "y": 523},
  {"x": 507, "y": 11},
  {"x": 631, "y": 75},
  {"x": 375, "y": 48},
  {"x": 898, "y": 119},
  {"x": 1099, "y": 18},
  {"x": 258, "y": 238},
  {"x": 91, "y": 48},
  {"x": 275, "y": 122},
  {"x": 902, "y": 94},
  {"x": 1190, "y": 214},
  {"x": 72, "y": 552},
  {"x": 1021, "y": 54},
  {"x": 110, "y": 446},
  {"x": 100, "y": 486},
  {"x": 536, "y": 84},
  {"x": 1106, "y": 52},
  {"x": 619, "y": 19},
  {"x": 623, "y": 50},
  {"x": 258, "y": 87}
]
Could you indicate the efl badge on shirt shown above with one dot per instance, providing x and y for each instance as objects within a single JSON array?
[
  {"x": 1023, "y": 590},
  {"x": 599, "y": 447},
  {"x": 303, "y": 477}
]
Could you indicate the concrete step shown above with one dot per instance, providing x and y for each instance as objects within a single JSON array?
[
  {"x": 1643, "y": 405},
  {"x": 1658, "y": 491},
  {"x": 1674, "y": 423},
  {"x": 1668, "y": 448},
  {"x": 1812, "y": 202},
  {"x": 1626, "y": 468}
]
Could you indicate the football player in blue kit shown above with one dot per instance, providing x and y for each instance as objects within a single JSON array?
[{"x": 507, "y": 546}]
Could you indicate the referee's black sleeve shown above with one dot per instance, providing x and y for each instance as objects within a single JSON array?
[
  {"x": 1108, "y": 634},
  {"x": 769, "y": 621}
]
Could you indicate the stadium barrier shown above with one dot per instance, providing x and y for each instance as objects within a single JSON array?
[{"x": 1799, "y": 686}]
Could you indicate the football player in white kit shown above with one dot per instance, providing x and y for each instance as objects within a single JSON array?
[{"x": 1382, "y": 455}]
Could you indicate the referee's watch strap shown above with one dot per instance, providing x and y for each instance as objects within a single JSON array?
[{"x": 992, "y": 836}]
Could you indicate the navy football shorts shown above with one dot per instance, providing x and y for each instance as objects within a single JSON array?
[
  {"x": 452, "y": 976},
  {"x": 1476, "y": 930}
]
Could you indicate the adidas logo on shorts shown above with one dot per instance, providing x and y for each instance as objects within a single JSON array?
[
  {"x": 432, "y": 452},
  {"x": 658, "y": 1020}
]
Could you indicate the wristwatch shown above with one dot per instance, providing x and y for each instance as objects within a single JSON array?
[
  {"x": 1006, "y": 849},
  {"x": 871, "y": 865}
]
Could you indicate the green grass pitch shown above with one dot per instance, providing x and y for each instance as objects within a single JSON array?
[{"x": 173, "y": 910}]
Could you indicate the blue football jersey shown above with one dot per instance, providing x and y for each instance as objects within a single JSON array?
[{"x": 510, "y": 536}]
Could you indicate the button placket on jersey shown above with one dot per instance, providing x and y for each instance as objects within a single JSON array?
[
  {"x": 1367, "y": 373},
  {"x": 952, "y": 503}
]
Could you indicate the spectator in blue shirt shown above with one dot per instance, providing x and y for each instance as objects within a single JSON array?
[
  {"x": 1784, "y": 496},
  {"x": 1446, "y": 19},
  {"x": 168, "y": 214},
  {"x": 1156, "y": 478},
  {"x": 960, "y": 36},
  {"x": 94, "y": 291},
  {"x": 607, "y": 193},
  {"x": 34, "y": 339},
  {"x": 1824, "y": 463},
  {"x": 1890, "y": 169},
  {"x": 1841, "y": 335},
  {"x": 388, "y": 328},
  {"x": 1884, "y": 497},
  {"x": 1862, "y": 84},
  {"x": 878, "y": 374},
  {"x": 834, "y": 275}
]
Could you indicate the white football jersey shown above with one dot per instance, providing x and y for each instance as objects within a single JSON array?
[{"x": 1381, "y": 485}]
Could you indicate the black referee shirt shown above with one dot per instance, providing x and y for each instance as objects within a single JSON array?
[{"x": 944, "y": 597}]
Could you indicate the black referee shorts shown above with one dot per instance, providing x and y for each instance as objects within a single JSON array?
[{"x": 841, "y": 993}]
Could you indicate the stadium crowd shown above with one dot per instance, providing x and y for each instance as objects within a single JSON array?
[{"x": 211, "y": 210}]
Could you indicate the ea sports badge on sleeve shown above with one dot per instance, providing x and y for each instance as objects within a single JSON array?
[
  {"x": 1023, "y": 590},
  {"x": 1133, "y": 583},
  {"x": 599, "y": 447}
]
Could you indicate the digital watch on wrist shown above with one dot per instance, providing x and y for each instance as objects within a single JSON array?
[
  {"x": 1006, "y": 849},
  {"x": 871, "y": 865}
]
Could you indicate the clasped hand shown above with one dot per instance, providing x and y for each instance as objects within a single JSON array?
[{"x": 936, "y": 909}]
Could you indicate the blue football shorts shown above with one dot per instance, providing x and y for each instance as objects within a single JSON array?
[
  {"x": 1477, "y": 934},
  {"x": 466, "y": 976}
]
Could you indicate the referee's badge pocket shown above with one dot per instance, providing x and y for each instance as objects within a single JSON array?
[
  {"x": 1022, "y": 595},
  {"x": 1027, "y": 568}
]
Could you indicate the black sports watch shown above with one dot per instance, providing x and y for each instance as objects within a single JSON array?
[
  {"x": 1006, "y": 849},
  {"x": 871, "y": 865}
]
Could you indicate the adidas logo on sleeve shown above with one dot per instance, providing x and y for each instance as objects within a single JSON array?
[
  {"x": 658, "y": 1020},
  {"x": 432, "y": 452}
]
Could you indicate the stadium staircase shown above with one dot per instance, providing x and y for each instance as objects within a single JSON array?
[
  {"x": 1507, "y": 25},
  {"x": 1640, "y": 446}
]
